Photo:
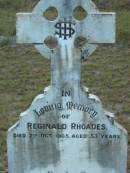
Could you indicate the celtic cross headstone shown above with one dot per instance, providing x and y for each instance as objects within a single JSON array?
[{"x": 66, "y": 129}]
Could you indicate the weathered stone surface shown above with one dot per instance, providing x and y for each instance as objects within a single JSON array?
[
  {"x": 73, "y": 148},
  {"x": 97, "y": 27},
  {"x": 66, "y": 129}
]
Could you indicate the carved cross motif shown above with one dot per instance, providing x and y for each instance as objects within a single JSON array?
[
  {"x": 66, "y": 129},
  {"x": 97, "y": 27}
]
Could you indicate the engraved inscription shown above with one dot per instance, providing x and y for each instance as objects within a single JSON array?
[
  {"x": 65, "y": 29},
  {"x": 66, "y": 93}
]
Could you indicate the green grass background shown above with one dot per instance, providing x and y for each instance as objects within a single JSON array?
[
  {"x": 8, "y": 9},
  {"x": 24, "y": 73}
]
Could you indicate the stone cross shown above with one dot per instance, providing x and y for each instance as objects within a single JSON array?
[
  {"x": 96, "y": 28},
  {"x": 66, "y": 129}
]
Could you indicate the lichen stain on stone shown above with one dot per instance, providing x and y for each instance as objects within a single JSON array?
[
  {"x": 44, "y": 151},
  {"x": 20, "y": 155}
]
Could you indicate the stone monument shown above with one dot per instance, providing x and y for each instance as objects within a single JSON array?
[{"x": 66, "y": 129}]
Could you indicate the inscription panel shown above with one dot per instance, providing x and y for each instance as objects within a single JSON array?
[
  {"x": 66, "y": 132},
  {"x": 66, "y": 129}
]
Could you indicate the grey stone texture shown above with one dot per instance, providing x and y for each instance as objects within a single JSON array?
[{"x": 66, "y": 129}]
